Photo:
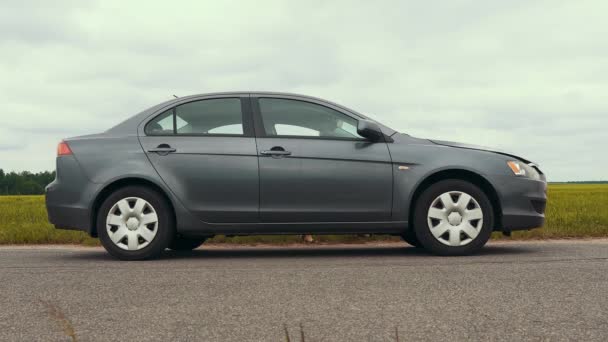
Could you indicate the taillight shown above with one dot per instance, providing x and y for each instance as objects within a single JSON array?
[{"x": 63, "y": 149}]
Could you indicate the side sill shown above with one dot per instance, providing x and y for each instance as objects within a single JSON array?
[{"x": 290, "y": 228}]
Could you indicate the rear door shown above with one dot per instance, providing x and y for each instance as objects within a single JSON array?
[
  {"x": 314, "y": 167},
  {"x": 205, "y": 152}
]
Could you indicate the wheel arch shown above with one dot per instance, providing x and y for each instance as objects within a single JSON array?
[
  {"x": 109, "y": 188},
  {"x": 461, "y": 174}
]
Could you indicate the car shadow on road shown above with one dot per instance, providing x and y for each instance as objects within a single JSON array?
[
  {"x": 329, "y": 252},
  {"x": 323, "y": 251}
]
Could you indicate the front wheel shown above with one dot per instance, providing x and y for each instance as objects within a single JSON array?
[
  {"x": 453, "y": 217},
  {"x": 135, "y": 223}
]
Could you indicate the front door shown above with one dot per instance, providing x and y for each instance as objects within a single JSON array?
[
  {"x": 314, "y": 167},
  {"x": 205, "y": 152}
]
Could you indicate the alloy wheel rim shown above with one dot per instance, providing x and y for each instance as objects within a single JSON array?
[
  {"x": 455, "y": 218},
  {"x": 132, "y": 223}
]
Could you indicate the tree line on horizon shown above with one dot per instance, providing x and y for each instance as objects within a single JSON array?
[{"x": 25, "y": 182}]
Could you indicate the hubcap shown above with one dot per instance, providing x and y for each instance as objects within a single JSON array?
[
  {"x": 455, "y": 218},
  {"x": 132, "y": 223}
]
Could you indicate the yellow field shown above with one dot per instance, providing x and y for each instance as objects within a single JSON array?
[{"x": 573, "y": 211}]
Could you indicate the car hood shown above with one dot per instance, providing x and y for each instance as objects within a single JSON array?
[{"x": 477, "y": 147}]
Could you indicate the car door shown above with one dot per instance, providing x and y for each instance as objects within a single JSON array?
[
  {"x": 314, "y": 167},
  {"x": 205, "y": 151}
]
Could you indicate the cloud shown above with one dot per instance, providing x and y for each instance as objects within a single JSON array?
[{"x": 526, "y": 76}]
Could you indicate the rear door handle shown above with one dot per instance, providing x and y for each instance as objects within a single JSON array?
[
  {"x": 162, "y": 149},
  {"x": 275, "y": 153}
]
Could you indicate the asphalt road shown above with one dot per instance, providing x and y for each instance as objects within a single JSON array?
[{"x": 511, "y": 291}]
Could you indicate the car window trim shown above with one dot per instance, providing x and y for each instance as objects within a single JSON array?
[
  {"x": 258, "y": 122},
  {"x": 308, "y": 137},
  {"x": 224, "y": 135},
  {"x": 174, "y": 111}
]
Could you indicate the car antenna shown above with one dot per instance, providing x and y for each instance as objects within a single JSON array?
[{"x": 177, "y": 97}]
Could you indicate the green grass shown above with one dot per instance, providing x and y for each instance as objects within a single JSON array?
[
  {"x": 573, "y": 211},
  {"x": 23, "y": 220}
]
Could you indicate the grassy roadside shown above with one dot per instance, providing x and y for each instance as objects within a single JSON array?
[
  {"x": 574, "y": 211},
  {"x": 23, "y": 220}
]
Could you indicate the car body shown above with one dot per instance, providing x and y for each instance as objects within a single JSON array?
[{"x": 245, "y": 163}]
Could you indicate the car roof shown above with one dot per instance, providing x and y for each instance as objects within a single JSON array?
[{"x": 262, "y": 94}]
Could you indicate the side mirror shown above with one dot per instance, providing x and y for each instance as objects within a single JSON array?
[{"x": 370, "y": 130}]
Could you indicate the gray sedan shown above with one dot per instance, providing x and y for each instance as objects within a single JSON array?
[{"x": 274, "y": 163}]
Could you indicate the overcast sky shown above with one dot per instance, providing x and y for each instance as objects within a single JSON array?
[{"x": 526, "y": 76}]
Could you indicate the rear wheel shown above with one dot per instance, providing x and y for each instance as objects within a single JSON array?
[
  {"x": 135, "y": 223},
  {"x": 453, "y": 217},
  {"x": 186, "y": 244}
]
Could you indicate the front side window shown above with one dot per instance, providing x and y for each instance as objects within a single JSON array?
[
  {"x": 205, "y": 117},
  {"x": 283, "y": 117}
]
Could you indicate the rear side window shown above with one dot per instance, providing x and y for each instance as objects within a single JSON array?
[
  {"x": 216, "y": 116},
  {"x": 206, "y": 117}
]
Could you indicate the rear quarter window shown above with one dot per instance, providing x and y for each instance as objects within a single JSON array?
[{"x": 161, "y": 125}]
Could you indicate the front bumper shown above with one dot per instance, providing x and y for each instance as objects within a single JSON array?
[
  {"x": 523, "y": 202},
  {"x": 521, "y": 222}
]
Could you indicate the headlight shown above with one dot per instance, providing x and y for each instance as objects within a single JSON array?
[
  {"x": 517, "y": 168},
  {"x": 523, "y": 170}
]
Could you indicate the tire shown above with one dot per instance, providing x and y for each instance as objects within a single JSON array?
[
  {"x": 186, "y": 244},
  {"x": 447, "y": 222},
  {"x": 410, "y": 237},
  {"x": 145, "y": 229}
]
